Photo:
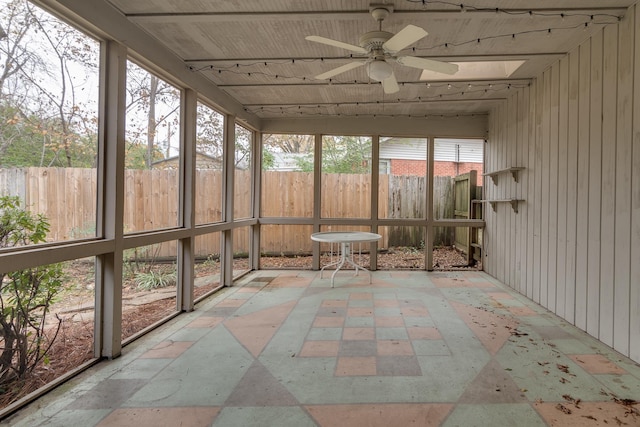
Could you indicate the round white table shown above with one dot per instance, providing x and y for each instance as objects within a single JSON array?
[{"x": 345, "y": 239}]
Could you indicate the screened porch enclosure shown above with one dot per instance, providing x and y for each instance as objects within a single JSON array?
[{"x": 169, "y": 150}]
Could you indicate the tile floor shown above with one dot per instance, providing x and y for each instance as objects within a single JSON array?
[{"x": 283, "y": 348}]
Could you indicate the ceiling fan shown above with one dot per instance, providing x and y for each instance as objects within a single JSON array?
[{"x": 382, "y": 47}]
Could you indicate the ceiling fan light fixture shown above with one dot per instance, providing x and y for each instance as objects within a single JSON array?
[{"x": 379, "y": 70}]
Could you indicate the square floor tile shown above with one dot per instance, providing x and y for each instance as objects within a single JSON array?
[
  {"x": 332, "y": 312},
  {"x": 382, "y": 303},
  {"x": 334, "y": 303},
  {"x": 355, "y": 366},
  {"x": 395, "y": 348},
  {"x": 358, "y": 334},
  {"x": 359, "y": 311},
  {"x": 358, "y": 348},
  {"x": 389, "y": 321},
  {"x": 328, "y": 322},
  {"x": 391, "y": 333},
  {"x": 319, "y": 349},
  {"x": 359, "y": 322},
  {"x": 325, "y": 334},
  {"x": 398, "y": 366}
]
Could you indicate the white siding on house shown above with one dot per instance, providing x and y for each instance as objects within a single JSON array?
[
  {"x": 445, "y": 150},
  {"x": 574, "y": 246}
]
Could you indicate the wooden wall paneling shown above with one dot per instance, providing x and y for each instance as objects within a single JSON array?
[
  {"x": 531, "y": 173},
  {"x": 494, "y": 190},
  {"x": 563, "y": 129},
  {"x": 545, "y": 171},
  {"x": 582, "y": 217},
  {"x": 499, "y": 246},
  {"x": 537, "y": 194},
  {"x": 552, "y": 253},
  {"x": 512, "y": 217},
  {"x": 595, "y": 177},
  {"x": 523, "y": 159},
  {"x": 486, "y": 191},
  {"x": 504, "y": 188},
  {"x": 517, "y": 161},
  {"x": 499, "y": 217},
  {"x": 572, "y": 185},
  {"x": 634, "y": 332},
  {"x": 607, "y": 214},
  {"x": 622, "y": 260}
]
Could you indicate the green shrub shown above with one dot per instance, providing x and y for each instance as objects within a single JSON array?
[{"x": 25, "y": 297}]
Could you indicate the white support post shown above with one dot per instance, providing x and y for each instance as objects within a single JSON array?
[
  {"x": 228, "y": 199},
  {"x": 111, "y": 141},
  {"x": 186, "y": 246},
  {"x": 428, "y": 246},
  {"x": 254, "y": 251}
]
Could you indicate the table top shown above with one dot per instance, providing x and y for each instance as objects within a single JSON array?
[{"x": 345, "y": 236}]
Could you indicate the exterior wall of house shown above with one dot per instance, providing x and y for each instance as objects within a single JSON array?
[
  {"x": 574, "y": 244},
  {"x": 440, "y": 168}
]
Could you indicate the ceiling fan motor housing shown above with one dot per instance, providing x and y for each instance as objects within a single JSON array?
[{"x": 373, "y": 40}]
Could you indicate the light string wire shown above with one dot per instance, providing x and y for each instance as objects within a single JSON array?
[
  {"x": 465, "y": 7},
  {"x": 312, "y": 109},
  {"x": 236, "y": 68},
  {"x": 593, "y": 19}
]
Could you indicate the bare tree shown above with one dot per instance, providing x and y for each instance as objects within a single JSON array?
[{"x": 45, "y": 63}]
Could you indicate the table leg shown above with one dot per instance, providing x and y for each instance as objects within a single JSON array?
[{"x": 343, "y": 257}]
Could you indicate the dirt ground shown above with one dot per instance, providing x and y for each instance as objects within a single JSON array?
[{"x": 74, "y": 343}]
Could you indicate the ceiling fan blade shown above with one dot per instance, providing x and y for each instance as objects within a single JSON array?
[
  {"x": 339, "y": 70},
  {"x": 336, "y": 43},
  {"x": 390, "y": 84},
  {"x": 428, "y": 64},
  {"x": 408, "y": 35}
]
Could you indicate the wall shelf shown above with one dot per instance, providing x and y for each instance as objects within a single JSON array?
[
  {"x": 494, "y": 202},
  {"x": 513, "y": 170}
]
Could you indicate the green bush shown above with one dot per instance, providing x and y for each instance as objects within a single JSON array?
[{"x": 25, "y": 297}]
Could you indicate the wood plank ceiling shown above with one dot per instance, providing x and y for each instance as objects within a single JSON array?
[{"x": 255, "y": 50}]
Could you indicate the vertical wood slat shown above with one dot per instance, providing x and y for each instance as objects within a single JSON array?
[
  {"x": 537, "y": 195},
  {"x": 582, "y": 196},
  {"x": 634, "y": 300},
  {"x": 523, "y": 135},
  {"x": 595, "y": 178},
  {"x": 531, "y": 172},
  {"x": 511, "y": 161},
  {"x": 607, "y": 230},
  {"x": 622, "y": 260},
  {"x": 544, "y": 193},
  {"x": 572, "y": 185},
  {"x": 563, "y": 223},
  {"x": 552, "y": 252}
]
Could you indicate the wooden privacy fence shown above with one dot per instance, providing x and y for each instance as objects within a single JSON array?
[{"x": 67, "y": 197}]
